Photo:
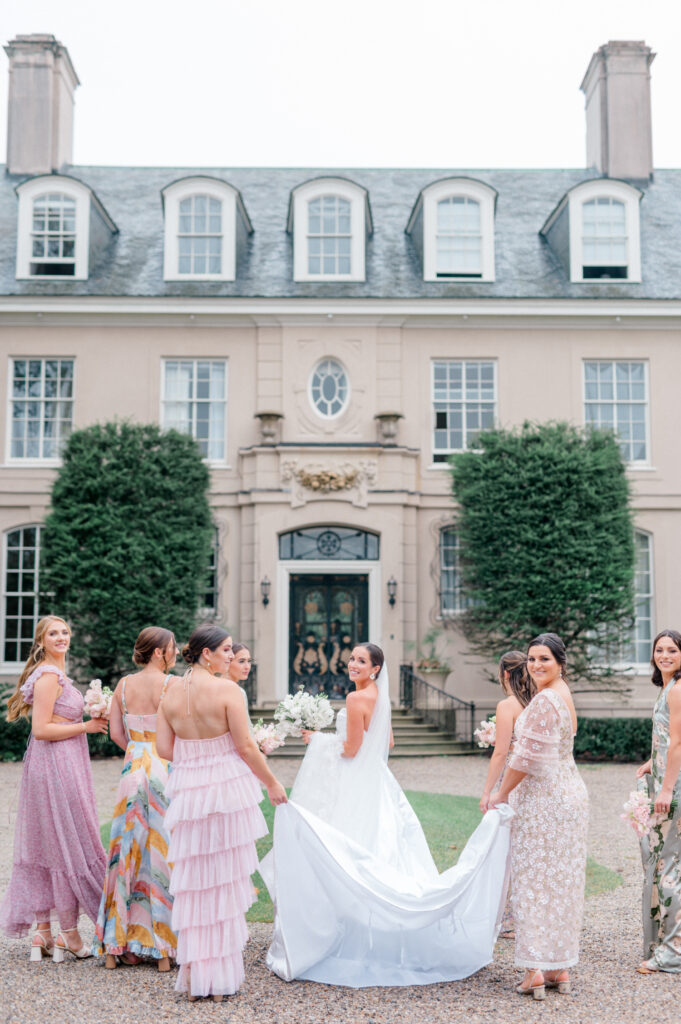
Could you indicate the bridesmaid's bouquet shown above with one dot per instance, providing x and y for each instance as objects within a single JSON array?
[
  {"x": 301, "y": 711},
  {"x": 98, "y": 699},
  {"x": 267, "y": 737},
  {"x": 640, "y": 813},
  {"x": 486, "y": 733}
]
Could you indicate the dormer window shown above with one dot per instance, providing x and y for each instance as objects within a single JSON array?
[
  {"x": 604, "y": 238},
  {"x": 594, "y": 232},
  {"x": 61, "y": 227},
  {"x": 459, "y": 238},
  {"x": 329, "y": 219},
  {"x": 206, "y": 227},
  {"x": 452, "y": 227},
  {"x": 53, "y": 236}
]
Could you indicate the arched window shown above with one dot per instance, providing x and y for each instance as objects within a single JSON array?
[
  {"x": 20, "y": 586},
  {"x": 329, "y": 542},
  {"x": 329, "y": 219},
  {"x": 206, "y": 228},
  {"x": 329, "y": 236},
  {"x": 199, "y": 236},
  {"x": 604, "y": 238},
  {"x": 452, "y": 227},
  {"x": 459, "y": 238},
  {"x": 329, "y": 388}
]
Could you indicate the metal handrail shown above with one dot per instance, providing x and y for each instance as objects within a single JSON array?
[{"x": 443, "y": 710}]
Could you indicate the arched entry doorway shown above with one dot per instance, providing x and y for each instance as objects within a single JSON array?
[{"x": 328, "y": 582}]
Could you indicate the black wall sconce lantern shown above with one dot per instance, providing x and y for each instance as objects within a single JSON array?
[
  {"x": 392, "y": 591},
  {"x": 265, "y": 590}
]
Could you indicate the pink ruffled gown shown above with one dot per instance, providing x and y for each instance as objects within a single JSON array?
[
  {"x": 59, "y": 861},
  {"x": 214, "y": 820}
]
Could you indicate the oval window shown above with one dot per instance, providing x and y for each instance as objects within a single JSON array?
[{"x": 329, "y": 388}]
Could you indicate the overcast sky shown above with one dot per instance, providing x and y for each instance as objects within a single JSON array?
[{"x": 346, "y": 83}]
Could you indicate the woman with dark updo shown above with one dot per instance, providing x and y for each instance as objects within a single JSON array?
[
  {"x": 134, "y": 912},
  {"x": 214, "y": 817}
]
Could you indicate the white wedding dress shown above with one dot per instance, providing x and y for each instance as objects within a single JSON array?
[{"x": 358, "y": 898}]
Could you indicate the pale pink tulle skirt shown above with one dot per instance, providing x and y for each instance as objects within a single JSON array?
[{"x": 214, "y": 820}]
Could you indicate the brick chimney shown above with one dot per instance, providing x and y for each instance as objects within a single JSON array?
[
  {"x": 619, "y": 141},
  {"x": 42, "y": 81}
]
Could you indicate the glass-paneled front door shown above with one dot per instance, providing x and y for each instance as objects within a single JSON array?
[{"x": 328, "y": 616}]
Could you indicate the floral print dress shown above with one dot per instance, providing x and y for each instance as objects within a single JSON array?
[
  {"x": 548, "y": 837},
  {"x": 661, "y": 854}
]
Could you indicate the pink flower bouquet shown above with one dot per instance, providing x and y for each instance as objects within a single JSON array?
[
  {"x": 486, "y": 733},
  {"x": 640, "y": 814},
  {"x": 98, "y": 699},
  {"x": 267, "y": 737}
]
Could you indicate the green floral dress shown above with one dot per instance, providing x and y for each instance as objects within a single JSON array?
[{"x": 661, "y": 854}]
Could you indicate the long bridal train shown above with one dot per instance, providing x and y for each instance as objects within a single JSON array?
[{"x": 358, "y": 898}]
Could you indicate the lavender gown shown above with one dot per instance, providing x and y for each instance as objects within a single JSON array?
[{"x": 59, "y": 861}]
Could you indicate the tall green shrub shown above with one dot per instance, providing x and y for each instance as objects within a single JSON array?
[
  {"x": 547, "y": 543},
  {"x": 127, "y": 540}
]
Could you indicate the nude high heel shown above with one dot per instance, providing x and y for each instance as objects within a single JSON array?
[
  {"x": 39, "y": 946},
  {"x": 163, "y": 964},
  {"x": 62, "y": 947},
  {"x": 561, "y": 982},
  {"x": 537, "y": 991}
]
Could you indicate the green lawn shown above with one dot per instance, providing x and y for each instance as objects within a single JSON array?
[{"x": 447, "y": 821}]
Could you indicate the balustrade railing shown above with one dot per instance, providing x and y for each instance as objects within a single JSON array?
[{"x": 443, "y": 710}]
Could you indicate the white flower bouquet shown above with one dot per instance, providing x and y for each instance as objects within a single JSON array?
[
  {"x": 267, "y": 737},
  {"x": 98, "y": 699},
  {"x": 301, "y": 711},
  {"x": 640, "y": 813},
  {"x": 486, "y": 733}
]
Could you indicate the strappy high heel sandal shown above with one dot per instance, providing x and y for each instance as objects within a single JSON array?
[
  {"x": 646, "y": 968},
  {"x": 561, "y": 982},
  {"x": 537, "y": 991},
  {"x": 40, "y": 945},
  {"x": 62, "y": 947}
]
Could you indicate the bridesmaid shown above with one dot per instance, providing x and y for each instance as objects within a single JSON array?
[
  {"x": 239, "y": 670},
  {"x": 662, "y": 848},
  {"x": 519, "y": 691},
  {"x": 135, "y": 908},
  {"x": 214, "y": 817},
  {"x": 59, "y": 861},
  {"x": 548, "y": 832}
]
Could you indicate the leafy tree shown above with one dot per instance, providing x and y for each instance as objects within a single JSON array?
[
  {"x": 547, "y": 543},
  {"x": 127, "y": 541}
]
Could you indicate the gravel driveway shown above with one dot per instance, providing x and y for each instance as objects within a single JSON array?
[{"x": 606, "y": 989}]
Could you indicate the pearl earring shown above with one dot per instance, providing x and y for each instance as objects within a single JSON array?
[{"x": 372, "y": 676}]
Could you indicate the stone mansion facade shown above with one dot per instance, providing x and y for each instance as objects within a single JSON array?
[{"x": 330, "y": 337}]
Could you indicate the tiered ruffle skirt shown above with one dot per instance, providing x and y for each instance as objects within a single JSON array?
[{"x": 214, "y": 820}]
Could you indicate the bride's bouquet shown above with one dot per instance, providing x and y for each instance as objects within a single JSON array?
[
  {"x": 486, "y": 733},
  {"x": 98, "y": 699},
  {"x": 302, "y": 710},
  {"x": 640, "y": 813},
  {"x": 267, "y": 737}
]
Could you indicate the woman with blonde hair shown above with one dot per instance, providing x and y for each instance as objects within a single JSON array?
[
  {"x": 136, "y": 905},
  {"x": 59, "y": 861}
]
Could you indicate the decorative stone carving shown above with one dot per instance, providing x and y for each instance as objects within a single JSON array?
[
  {"x": 345, "y": 480},
  {"x": 270, "y": 426},
  {"x": 387, "y": 423}
]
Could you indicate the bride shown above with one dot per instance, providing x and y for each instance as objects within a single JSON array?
[{"x": 358, "y": 898}]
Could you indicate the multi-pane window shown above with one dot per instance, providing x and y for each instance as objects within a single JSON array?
[
  {"x": 464, "y": 403},
  {"x": 604, "y": 238},
  {"x": 329, "y": 235},
  {"x": 20, "y": 592},
  {"x": 329, "y": 388},
  {"x": 451, "y": 594},
  {"x": 642, "y": 635},
  {"x": 41, "y": 403},
  {"x": 459, "y": 238},
  {"x": 195, "y": 402},
  {"x": 53, "y": 236},
  {"x": 200, "y": 235},
  {"x": 615, "y": 398}
]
